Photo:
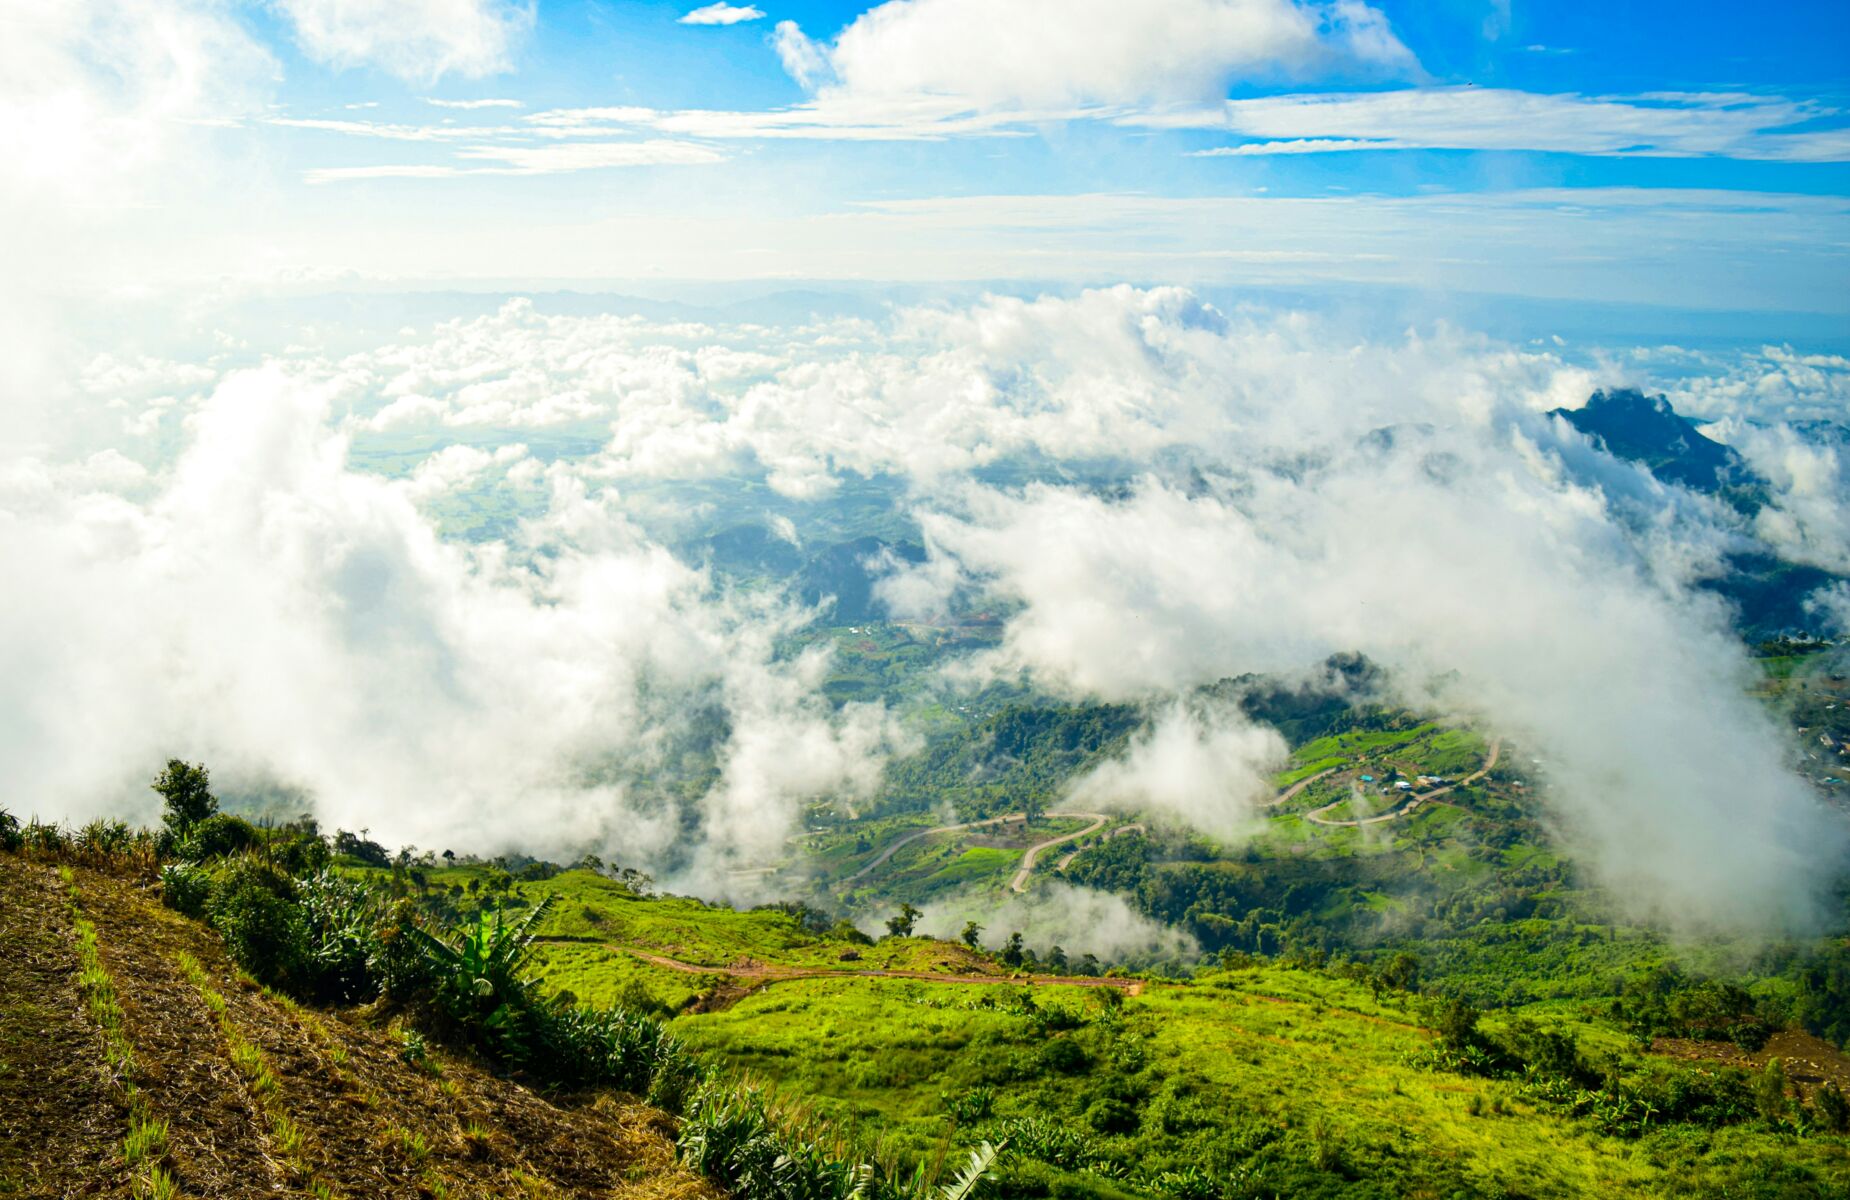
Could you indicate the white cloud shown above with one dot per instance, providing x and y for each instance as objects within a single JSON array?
[
  {"x": 94, "y": 91},
  {"x": 416, "y": 40},
  {"x": 580, "y": 120},
  {"x": 534, "y": 160},
  {"x": 1061, "y": 53},
  {"x": 1078, "y": 920},
  {"x": 471, "y": 104},
  {"x": 584, "y": 156},
  {"x": 1299, "y": 146},
  {"x": 107, "y": 110},
  {"x": 803, "y": 60},
  {"x": 300, "y": 623},
  {"x": 1494, "y": 591},
  {"x": 1735, "y": 125},
  {"x": 1808, "y": 520},
  {"x": 378, "y": 129},
  {"x": 315, "y": 175},
  {"x": 1307, "y": 490},
  {"x": 1204, "y": 766},
  {"x": 723, "y": 14}
]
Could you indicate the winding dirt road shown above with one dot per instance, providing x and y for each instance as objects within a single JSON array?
[
  {"x": 1297, "y": 787},
  {"x": 1020, "y": 882},
  {"x": 1411, "y": 801},
  {"x": 1066, "y": 860},
  {"x": 925, "y": 833}
]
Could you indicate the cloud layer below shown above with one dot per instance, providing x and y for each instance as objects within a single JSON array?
[{"x": 1216, "y": 494}]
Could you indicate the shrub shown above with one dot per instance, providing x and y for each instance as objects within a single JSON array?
[
  {"x": 967, "y": 1108},
  {"x": 10, "y": 839},
  {"x": 1108, "y": 1114},
  {"x": 732, "y": 1137},
  {"x": 341, "y": 918},
  {"x": 185, "y": 888},
  {"x": 1065, "y": 1056},
  {"x": 253, "y": 906},
  {"x": 845, "y": 930},
  {"x": 1833, "y": 1108},
  {"x": 217, "y": 836}
]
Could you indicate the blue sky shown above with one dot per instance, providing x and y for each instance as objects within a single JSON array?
[{"x": 1657, "y": 153}]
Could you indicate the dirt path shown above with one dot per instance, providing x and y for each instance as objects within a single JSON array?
[
  {"x": 60, "y": 1123},
  {"x": 1066, "y": 860},
  {"x": 769, "y": 973},
  {"x": 1297, "y": 787},
  {"x": 1020, "y": 882},
  {"x": 925, "y": 833},
  {"x": 1411, "y": 801}
]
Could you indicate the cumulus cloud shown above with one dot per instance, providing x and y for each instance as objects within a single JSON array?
[
  {"x": 417, "y": 40},
  {"x": 1489, "y": 583},
  {"x": 1069, "y": 53},
  {"x": 1215, "y": 493},
  {"x": 1808, "y": 480},
  {"x": 1204, "y": 766},
  {"x": 105, "y": 108},
  {"x": 723, "y": 14},
  {"x": 299, "y": 624},
  {"x": 1078, "y": 920}
]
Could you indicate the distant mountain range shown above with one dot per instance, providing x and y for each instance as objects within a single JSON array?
[
  {"x": 1768, "y": 593},
  {"x": 1648, "y": 431}
]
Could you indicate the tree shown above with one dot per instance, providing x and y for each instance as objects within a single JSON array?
[
  {"x": 1833, "y": 1108},
  {"x": 1401, "y": 972},
  {"x": 1770, "y": 1092},
  {"x": 1056, "y": 960},
  {"x": 1011, "y": 950},
  {"x": 972, "y": 934},
  {"x": 187, "y": 790},
  {"x": 901, "y": 926}
]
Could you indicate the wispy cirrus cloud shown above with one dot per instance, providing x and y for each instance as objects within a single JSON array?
[
  {"x": 550, "y": 159},
  {"x": 387, "y": 130},
  {"x": 471, "y": 104},
  {"x": 1654, "y": 124},
  {"x": 1649, "y": 125}
]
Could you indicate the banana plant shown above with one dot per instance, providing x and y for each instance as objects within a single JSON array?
[
  {"x": 975, "y": 1171},
  {"x": 482, "y": 968}
]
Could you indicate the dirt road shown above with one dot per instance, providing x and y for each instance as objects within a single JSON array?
[
  {"x": 1066, "y": 860},
  {"x": 768, "y": 973},
  {"x": 1297, "y": 787},
  {"x": 1412, "y": 800},
  {"x": 1020, "y": 882},
  {"x": 925, "y": 833}
]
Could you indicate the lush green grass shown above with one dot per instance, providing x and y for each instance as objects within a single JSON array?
[{"x": 1269, "y": 1075}]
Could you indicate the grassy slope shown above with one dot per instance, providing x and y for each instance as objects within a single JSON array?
[
  {"x": 1294, "y": 1060},
  {"x": 257, "y": 1094},
  {"x": 1265, "y": 1065}
]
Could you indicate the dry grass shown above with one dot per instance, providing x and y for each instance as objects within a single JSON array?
[{"x": 246, "y": 1091}]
